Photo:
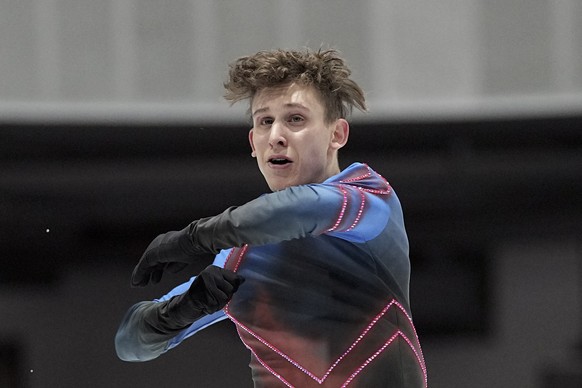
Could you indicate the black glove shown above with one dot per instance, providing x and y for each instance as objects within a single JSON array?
[
  {"x": 212, "y": 289},
  {"x": 171, "y": 251},
  {"x": 210, "y": 292}
]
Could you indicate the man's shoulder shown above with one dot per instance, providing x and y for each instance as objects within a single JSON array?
[{"x": 362, "y": 176}]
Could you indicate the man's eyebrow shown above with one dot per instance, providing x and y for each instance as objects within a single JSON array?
[
  {"x": 260, "y": 110},
  {"x": 288, "y": 105},
  {"x": 296, "y": 105}
]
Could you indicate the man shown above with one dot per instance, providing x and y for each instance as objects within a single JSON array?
[{"x": 315, "y": 274}]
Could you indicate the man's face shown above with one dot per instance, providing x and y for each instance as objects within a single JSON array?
[{"x": 290, "y": 138}]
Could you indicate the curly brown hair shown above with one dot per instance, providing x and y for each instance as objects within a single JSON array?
[{"x": 323, "y": 69}]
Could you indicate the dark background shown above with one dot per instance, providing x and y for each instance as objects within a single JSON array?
[{"x": 93, "y": 196}]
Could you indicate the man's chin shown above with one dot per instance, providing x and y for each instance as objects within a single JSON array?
[
  {"x": 277, "y": 188},
  {"x": 278, "y": 184}
]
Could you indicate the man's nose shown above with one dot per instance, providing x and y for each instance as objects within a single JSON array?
[{"x": 277, "y": 135}]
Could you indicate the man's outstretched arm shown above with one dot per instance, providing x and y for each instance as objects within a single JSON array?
[
  {"x": 292, "y": 213},
  {"x": 147, "y": 327}
]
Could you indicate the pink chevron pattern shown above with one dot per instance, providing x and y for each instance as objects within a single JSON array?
[
  {"x": 348, "y": 182},
  {"x": 342, "y": 210},
  {"x": 321, "y": 379},
  {"x": 360, "y": 211}
]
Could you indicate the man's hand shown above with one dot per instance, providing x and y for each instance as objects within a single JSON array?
[
  {"x": 171, "y": 251},
  {"x": 208, "y": 293},
  {"x": 213, "y": 288}
]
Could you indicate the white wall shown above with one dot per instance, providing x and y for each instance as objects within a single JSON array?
[{"x": 150, "y": 60}]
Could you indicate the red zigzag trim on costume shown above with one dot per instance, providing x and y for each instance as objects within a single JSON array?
[{"x": 320, "y": 380}]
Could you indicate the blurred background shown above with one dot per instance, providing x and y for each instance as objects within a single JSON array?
[{"x": 113, "y": 130}]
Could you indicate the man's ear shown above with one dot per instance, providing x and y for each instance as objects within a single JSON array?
[
  {"x": 253, "y": 154},
  {"x": 340, "y": 134}
]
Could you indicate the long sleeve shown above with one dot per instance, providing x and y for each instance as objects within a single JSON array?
[
  {"x": 136, "y": 339},
  {"x": 140, "y": 339},
  {"x": 349, "y": 206}
]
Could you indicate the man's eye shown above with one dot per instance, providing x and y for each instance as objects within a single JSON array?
[
  {"x": 266, "y": 121},
  {"x": 296, "y": 119}
]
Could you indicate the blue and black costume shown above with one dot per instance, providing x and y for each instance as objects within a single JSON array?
[{"x": 325, "y": 301}]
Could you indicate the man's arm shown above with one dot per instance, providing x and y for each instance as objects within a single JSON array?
[
  {"x": 354, "y": 211},
  {"x": 148, "y": 327}
]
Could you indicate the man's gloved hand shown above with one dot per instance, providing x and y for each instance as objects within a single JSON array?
[
  {"x": 171, "y": 251},
  {"x": 208, "y": 293},
  {"x": 212, "y": 289}
]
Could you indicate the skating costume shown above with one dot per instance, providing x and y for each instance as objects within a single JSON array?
[{"x": 325, "y": 300}]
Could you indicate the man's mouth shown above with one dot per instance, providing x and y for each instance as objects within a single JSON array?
[{"x": 279, "y": 161}]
